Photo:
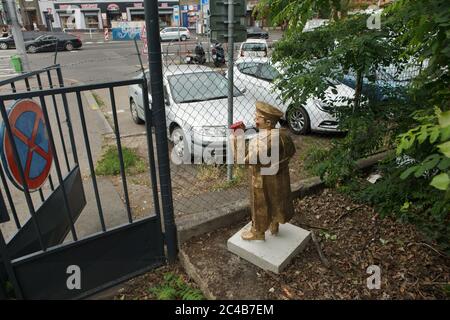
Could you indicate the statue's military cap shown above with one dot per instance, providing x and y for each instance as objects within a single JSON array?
[{"x": 268, "y": 111}]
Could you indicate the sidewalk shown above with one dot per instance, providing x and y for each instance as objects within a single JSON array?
[{"x": 113, "y": 207}]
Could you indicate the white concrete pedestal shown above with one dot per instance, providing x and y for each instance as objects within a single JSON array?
[{"x": 273, "y": 254}]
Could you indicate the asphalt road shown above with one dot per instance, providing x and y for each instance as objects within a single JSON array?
[{"x": 100, "y": 60}]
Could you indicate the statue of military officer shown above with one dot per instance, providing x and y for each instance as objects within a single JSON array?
[{"x": 267, "y": 156}]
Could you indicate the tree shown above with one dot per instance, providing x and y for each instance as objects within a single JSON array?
[{"x": 413, "y": 33}]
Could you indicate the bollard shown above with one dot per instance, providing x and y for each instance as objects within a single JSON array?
[{"x": 16, "y": 63}]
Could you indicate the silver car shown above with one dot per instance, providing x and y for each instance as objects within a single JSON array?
[
  {"x": 197, "y": 111},
  {"x": 174, "y": 33}
]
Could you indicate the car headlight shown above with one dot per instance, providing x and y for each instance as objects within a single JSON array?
[
  {"x": 328, "y": 107},
  {"x": 320, "y": 105},
  {"x": 211, "y": 131}
]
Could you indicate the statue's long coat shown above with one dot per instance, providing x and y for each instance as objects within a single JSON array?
[{"x": 270, "y": 194}]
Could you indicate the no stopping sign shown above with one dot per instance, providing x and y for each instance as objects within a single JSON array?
[{"x": 30, "y": 136}]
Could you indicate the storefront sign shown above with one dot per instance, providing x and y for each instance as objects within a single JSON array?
[
  {"x": 89, "y": 6},
  {"x": 113, "y": 7}
]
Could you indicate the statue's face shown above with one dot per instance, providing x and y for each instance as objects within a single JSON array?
[{"x": 262, "y": 122}]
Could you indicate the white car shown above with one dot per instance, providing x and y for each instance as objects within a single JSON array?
[
  {"x": 175, "y": 33},
  {"x": 256, "y": 75},
  {"x": 254, "y": 48},
  {"x": 196, "y": 111}
]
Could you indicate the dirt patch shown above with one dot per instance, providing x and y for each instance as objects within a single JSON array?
[{"x": 352, "y": 238}]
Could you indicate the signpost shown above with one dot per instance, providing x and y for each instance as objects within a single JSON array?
[{"x": 227, "y": 23}]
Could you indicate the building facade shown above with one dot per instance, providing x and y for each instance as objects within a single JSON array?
[{"x": 99, "y": 14}]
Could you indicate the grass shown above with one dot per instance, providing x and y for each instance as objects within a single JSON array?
[
  {"x": 109, "y": 164},
  {"x": 218, "y": 175},
  {"x": 175, "y": 288},
  {"x": 99, "y": 100}
]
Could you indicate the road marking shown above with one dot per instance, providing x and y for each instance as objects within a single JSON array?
[
  {"x": 118, "y": 111},
  {"x": 8, "y": 75},
  {"x": 90, "y": 42}
]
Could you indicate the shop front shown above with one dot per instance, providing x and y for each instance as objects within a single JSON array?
[{"x": 101, "y": 14}]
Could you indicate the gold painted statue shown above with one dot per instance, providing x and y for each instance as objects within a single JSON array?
[{"x": 267, "y": 156}]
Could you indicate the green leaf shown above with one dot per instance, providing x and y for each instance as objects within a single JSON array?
[
  {"x": 408, "y": 172},
  {"x": 423, "y": 134},
  {"x": 429, "y": 163},
  {"x": 434, "y": 134},
  {"x": 444, "y": 164},
  {"x": 445, "y": 134},
  {"x": 444, "y": 119},
  {"x": 445, "y": 148},
  {"x": 441, "y": 181}
]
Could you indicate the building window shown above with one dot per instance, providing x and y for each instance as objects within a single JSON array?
[
  {"x": 91, "y": 20},
  {"x": 67, "y": 22}
]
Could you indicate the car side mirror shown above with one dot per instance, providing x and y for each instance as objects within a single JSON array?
[
  {"x": 166, "y": 101},
  {"x": 243, "y": 90}
]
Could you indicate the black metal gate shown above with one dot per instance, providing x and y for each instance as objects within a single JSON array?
[{"x": 45, "y": 258}]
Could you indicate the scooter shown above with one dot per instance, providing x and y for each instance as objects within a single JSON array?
[
  {"x": 218, "y": 54},
  {"x": 199, "y": 57}
]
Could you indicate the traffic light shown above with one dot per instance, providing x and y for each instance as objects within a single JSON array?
[{"x": 218, "y": 20}]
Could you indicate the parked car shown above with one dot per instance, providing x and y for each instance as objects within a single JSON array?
[
  {"x": 8, "y": 42},
  {"x": 257, "y": 32},
  {"x": 196, "y": 110},
  {"x": 257, "y": 75},
  {"x": 175, "y": 33},
  {"x": 254, "y": 48},
  {"x": 48, "y": 42}
]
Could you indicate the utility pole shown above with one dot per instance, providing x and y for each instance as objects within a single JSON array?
[{"x": 13, "y": 21}]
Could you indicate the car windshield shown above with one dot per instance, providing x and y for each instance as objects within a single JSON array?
[
  {"x": 199, "y": 86},
  {"x": 254, "y": 47},
  {"x": 40, "y": 37}
]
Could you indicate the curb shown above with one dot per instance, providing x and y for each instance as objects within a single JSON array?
[{"x": 94, "y": 106}]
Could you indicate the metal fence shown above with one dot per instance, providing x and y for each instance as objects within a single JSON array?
[
  {"x": 196, "y": 109},
  {"x": 73, "y": 221}
]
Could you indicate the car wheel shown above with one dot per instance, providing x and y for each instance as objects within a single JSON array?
[
  {"x": 183, "y": 38},
  {"x": 32, "y": 49},
  {"x": 68, "y": 46},
  {"x": 3, "y": 46},
  {"x": 134, "y": 113},
  {"x": 298, "y": 120},
  {"x": 180, "y": 150}
]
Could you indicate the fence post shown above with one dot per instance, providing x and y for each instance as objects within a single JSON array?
[
  {"x": 159, "y": 113},
  {"x": 230, "y": 84}
]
